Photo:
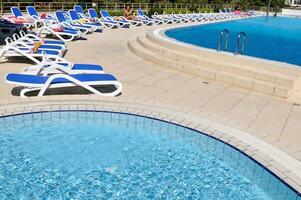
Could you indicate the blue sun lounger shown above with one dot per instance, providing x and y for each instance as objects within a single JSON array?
[
  {"x": 18, "y": 14},
  {"x": 12, "y": 51},
  {"x": 123, "y": 23},
  {"x": 107, "y": 23},
  {"x": 76, "y": 19},
  {"x": 146, "y": 19},
  {"x": 29, "y": 40},
  {"x": 43, "y": 83},
  {"x": 64, "y": 21},
  {"x": 80, "y": 11},
  {"x": 32, "y": 12},
  {"x": 48, "y": 67},
  {"x": 35, "y": 38}
]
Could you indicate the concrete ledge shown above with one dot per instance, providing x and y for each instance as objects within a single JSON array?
[
  {"x": 269, "y": 77},
  {"x": 216, "y": 71}
]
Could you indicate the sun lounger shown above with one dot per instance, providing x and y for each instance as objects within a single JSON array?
[
  {"x": 106, "y": 16},
  {"x": 80, "y": 11},
  {"x": 32, "y": 12},
  {"x": 59, "y": 81},
  {"x": 85, "y": 22},
  {"x": 64, "y": 21},
  {"x": 148, "y": 20},
  {"x": 11, "y": 51},
  {"x": 107, "y": 23},
  {"x": 18, "y": 14},
  {"x": 60, "y": 31}
]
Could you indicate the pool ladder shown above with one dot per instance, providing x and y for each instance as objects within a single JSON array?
[
  {"x": 240, "y": 36},
  {"x": 221, "y": 35}
]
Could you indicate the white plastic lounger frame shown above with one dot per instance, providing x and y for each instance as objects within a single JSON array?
[
  {"x": 65, "y": 23},
  {"x": 34, "y": 37},
  {"x": 76, "y": 19},
  {"x": 21, "y": 44},
  {"x": 74, "y": 82},
  {"x": 46, "y": 29},
  {"x": 106, "y": 24},
  {"x": 141, "y": 15},
  {"x": 107, "y": 17},
  {"x": 132, "y": 22},
  {"x": 27, "y": 41},
  {"x": 18, "y": 14},
  {"x": 47, "y": 66},
  {"x": 11, "y": 51},
  {"x": 160, "y": 17}
]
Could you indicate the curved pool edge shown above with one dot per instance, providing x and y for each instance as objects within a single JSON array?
[
  {"x": 283, "y": 166},
  {"x": 160, "y": 32}
]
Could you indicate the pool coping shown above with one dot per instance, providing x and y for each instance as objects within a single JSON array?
[{"x": 282, "y": 169}]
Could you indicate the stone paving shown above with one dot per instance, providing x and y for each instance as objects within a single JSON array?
[{"x": 268, "y": 118}]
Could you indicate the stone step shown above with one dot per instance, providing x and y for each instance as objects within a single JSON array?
[
  {"x": 259, "y": 64},
  {"x": 248, "y": 72},
  {"x": 210, "y": 73}
]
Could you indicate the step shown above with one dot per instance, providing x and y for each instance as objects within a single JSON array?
[
  {"x": 249, "y": 72},
  {"x": 210, "y": 74},
  {"x": 257, "y": 64}
]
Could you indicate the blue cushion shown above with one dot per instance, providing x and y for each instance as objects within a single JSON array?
[
  {"x": 32, "y": 11},
  {"x": 80, "y": 26},
  {"x": 51, "y": 47},
  {"x": 109, "y": 21},
  {"x": 34, "y": 79},
  {"x": 84, "y": 66},
  {"x": 54, "y": 42},
  {"x": 47, "y": 51}
]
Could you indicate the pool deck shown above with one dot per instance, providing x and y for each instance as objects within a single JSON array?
[{"x": 260, "y": 118}]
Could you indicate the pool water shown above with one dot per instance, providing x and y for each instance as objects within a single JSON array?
[
  {"x": 277, "y": 38},
  {"x": 103, "y": 155}
]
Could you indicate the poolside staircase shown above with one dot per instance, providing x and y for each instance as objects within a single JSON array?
[{"x": 262, "y": 76}]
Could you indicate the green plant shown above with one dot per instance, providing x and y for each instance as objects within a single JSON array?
[
  {"x": 205, "y": 10},
  {"x": 193, "y": 9},
  {"x": 175, "y": 10},
  {"x": 155, "y": 10},
  {"x": 116, "y": 13}
]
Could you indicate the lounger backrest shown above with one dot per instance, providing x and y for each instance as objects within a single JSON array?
[
  {"x": 104, "y": 13},
  {"x": 32, "y": 11},
  {"x": 92, "y": 12},
  {"x": 16, "y": 12},
  {"x": 140, "y": 12},
  {"x": 66, "y": 15},
  {"x": 79, "y": 9},
  {"x": 60, "y": 16},
  {"x": 73, "y": 14}
]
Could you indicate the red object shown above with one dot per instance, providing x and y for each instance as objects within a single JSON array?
[
  {"x": 43, "y": 16},
  {"x": 18, "y": 20},
  {"x": 58, "y": 29},
  {"x": 237, "y": 12}
]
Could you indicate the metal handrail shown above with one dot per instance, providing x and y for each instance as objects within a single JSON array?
[
  {"x": 239, "y": 36},
  {"x": 221, "y": 35}
]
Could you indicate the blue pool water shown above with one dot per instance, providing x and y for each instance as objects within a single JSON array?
[
  {"x": 278, "y": 38},
  {"x": 102, "y": 155}
]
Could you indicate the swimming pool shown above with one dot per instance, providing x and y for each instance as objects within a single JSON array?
[
  {"x": 105, "y": 155},
  {"x": 276, "y": 39}
]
